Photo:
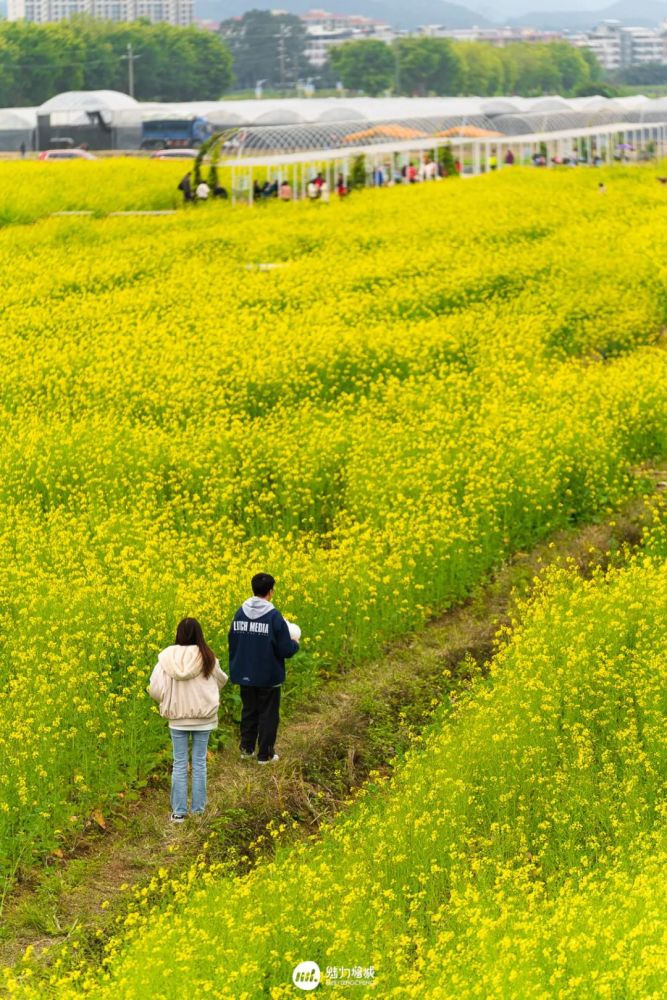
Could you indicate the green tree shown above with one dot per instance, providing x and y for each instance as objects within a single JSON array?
[
  {"x": 100, "y": 61},
  {"x": 40, "y": 60},
  {"x": 594, "y": 68},
  {"x": 172, "y": 64},
  {"x": 357, "y": 178},
  {"x": 574, "y": 70},
  {"x": 365, "y": 65},
  {"x": 429, "y": 65},
  {"x": 482, "y": 68},
  {"x": 530, "y": 70},
  {"x": 447, "y": 161},
  {"x": 9, "y": 57},
  {"x": 268, "y": 47},
  {"x": 45, "y": 59},
  {"x": 648, "y": 75}
]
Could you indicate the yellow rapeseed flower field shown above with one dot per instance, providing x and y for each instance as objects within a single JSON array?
[
  {"x": 424, "y": 381},
  {"x": 518, "y": 850}
]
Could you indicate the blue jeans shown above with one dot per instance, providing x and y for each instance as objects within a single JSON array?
[{"x": 179, "y": 774}]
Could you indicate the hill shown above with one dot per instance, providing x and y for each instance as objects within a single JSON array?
[{"x": 394, "y": 12}]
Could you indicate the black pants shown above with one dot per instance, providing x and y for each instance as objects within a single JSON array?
[{"x": 259, "y": 719}]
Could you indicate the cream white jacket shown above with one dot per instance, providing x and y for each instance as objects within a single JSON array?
[{"x": 187, "y": 698}]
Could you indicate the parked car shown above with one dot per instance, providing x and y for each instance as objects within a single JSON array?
[
  {"x": 66, "y": 154},
  {"x": 174, "y": 154}
]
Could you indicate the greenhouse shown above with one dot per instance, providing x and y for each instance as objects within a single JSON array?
[
  {"x": 17, "y": 128},
  {"x": 110, "y": 120},
  {"x": 90, "y": 117}
]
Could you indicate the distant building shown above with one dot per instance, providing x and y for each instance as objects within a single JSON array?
[
  {"x": 618, "y": 46},
  {"x": 614, "y": 44},
  {"x": 605, "y": 44},
  {"x": 641, "y": 45},
  {"x": 325, "y": 30},
  {"x": 178, "y": 12},
  {"x": 494, "y": 36}
]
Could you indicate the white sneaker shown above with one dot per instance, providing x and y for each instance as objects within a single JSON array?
[
  {"x": 177, "y": 818},
  {"x": 270, "y": 760}
]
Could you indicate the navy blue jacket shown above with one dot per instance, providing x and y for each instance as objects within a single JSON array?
[{"x": 258, "y": 649}]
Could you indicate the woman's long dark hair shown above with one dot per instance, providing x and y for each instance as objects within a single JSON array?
[{"x": 189, "y": 633}]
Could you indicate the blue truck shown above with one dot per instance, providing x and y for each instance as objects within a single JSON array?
[{"x": 175, "y": 133}]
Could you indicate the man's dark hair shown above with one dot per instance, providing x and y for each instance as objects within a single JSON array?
[{"x": 262, "y": 583}]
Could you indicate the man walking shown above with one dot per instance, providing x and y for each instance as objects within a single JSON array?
[{"x": 259, "y": 644}]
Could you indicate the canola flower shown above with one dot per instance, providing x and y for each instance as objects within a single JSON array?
[
  {"x": 518, "y": 850},
  {"x": 433, "y": 379},
  {"x": 31, "y": 190}
]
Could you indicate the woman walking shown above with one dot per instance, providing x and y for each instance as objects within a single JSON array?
[{"x": 186, "y": 682}]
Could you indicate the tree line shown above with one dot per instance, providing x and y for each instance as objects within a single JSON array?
[
  {"x": 169, "y": 63},
  {"x": 271, "y": 48},
  {"x": 422, "y": 66},
  {"x": 179, "y": 64}
]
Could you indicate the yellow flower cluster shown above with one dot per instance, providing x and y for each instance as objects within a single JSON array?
[
  {"x": 34, "y": 189},
  {"x": 429, "y": 379},
  {"x": 519, "y": 849}
]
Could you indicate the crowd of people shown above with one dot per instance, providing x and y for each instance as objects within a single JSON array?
[
  {"x": 202, "y": 192},
  {"x": 414, "y": 171},
  {"x": 317, "y": 189}
]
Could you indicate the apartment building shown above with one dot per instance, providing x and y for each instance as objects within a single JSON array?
[
  {"x": 617, "y": 46},
  {"x": 325, "y": 30},
  {"x": 178, "y": 12},
  {"x": 494, "y": 36}
]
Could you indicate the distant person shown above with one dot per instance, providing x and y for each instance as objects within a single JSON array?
[
  {"x": 186, "y": 682},
  {"x": 312, "y": 190},
  {"x": 509, "y": 158},
  {"x": 203, "y": 191},
  {"x": 22, "y": 150},
  {"x": 185, "y": 185},
  {"x": 257, "y": 191},
  {"x": 602, "y": 188},
  {"x": 341, "y": 186},
  {"x": 285, "y": 191},
  {"x": 429, "y": 170},
  {"x": 220, "y": 192},
  {"x": 493, "y": 162},
  {"x": 260, "y": 641}
]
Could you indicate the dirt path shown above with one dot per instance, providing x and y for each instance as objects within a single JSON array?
[{"x": 355, "y": 723}]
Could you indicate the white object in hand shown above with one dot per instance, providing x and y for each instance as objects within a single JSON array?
[{"x": 294, "y": 630}]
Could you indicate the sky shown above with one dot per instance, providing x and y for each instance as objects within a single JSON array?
[{"x": 504, "y": 8}]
